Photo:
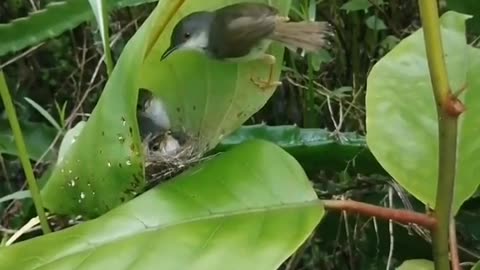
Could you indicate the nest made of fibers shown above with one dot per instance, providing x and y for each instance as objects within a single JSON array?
[{"x": 167, "y": 156}]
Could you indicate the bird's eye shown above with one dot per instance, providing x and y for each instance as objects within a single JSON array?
[{"x": 186, "y": 35}]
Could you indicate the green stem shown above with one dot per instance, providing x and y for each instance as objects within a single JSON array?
[
  {"x": 310, "y": 117},
  {"x": 106, "y": 43},
  {"x": 445, "y": 188},
  {"x": 447, "y": 128},
  {"x": 23, "y": 154},
  {"x": 101, "y": 14},
  {"x": 434, "y": 47},
  {"x": 309, "y": 107}
]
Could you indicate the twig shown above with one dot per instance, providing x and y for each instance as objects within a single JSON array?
[
  {"x": 397, "y": 215},
  {"x": 390, "y": 229},
  {"x": 454, "y": 247},
  {"x": 448, "y": 110},
  {"x": 3, "y": 169},
  {"x": 20, "y": 56},
  {"x": 349, "y": 242},
  {"x": 296, "y": 258},
  {"x": 24, "y": 229},
  {"x": 23, "y": 153}
]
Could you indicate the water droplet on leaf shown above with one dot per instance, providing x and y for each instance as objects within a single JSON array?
[{"x": 72, "y": 183}]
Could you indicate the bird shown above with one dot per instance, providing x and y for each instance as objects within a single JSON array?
[{"x": 243, "y": 32}]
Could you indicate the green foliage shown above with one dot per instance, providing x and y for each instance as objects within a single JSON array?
[
  {"x": 315, "y": 149},
  {"x": 208, "y": 106},
  {"x": 401, "y": 117},
  {"x": 38, "y": 138},
  {"x": 476, "y": 266},
  {"x": 417, "y": 264},
  {"x": 205, "y": 212},
  {"x": 56, "y": 18},
  {"x": 375, "y": 23},
  {"x": 19, "y": 195},
  {"x": 104, "y": 166},
  {"x": 356, "y": 5},
  {"x": 98, "y": 7},
  {"x": 249, "y": 208},
  {"x": 45, "y": 114},
  {"x": 471, "y": 7},
  {"x": 22, "y": 152}
]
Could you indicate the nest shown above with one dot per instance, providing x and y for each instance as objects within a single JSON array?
[{"x": 168, "y": 154}]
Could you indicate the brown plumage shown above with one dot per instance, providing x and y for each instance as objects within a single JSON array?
[
  {"x": 243, "y": 26},
  {"x": 243, "y": 32},
  {"x": 310, "y": 36}
]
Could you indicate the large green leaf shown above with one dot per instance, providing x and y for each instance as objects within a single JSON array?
[
  {"x": 249, "y": 208},
  {"x": 205, "y": 98},
  {"x": 56, "y": 18},
  {"x": 401, "y": 116},
  {"x": 316, "y": 149}
]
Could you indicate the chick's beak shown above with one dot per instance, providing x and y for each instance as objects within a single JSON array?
[{"x": 168, "y": 51}]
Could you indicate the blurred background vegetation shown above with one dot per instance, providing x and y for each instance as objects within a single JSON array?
[{"x": 65, "y": 76}]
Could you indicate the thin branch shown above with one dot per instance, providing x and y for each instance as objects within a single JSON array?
[
  {"x": 20, "y": 56},
  {"x": 23, "y": 153},
  {"x": 454, "y": 247},
  {"x": 390, "y": 230},
  {"x": 397, "y": 215}
]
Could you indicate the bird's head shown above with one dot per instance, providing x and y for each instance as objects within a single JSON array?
[{"x": 190, "y": 33}]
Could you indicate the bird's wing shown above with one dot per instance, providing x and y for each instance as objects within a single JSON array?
[{"x": 243, "y": 25}]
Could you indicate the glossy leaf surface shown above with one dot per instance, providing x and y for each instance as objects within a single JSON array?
[
  {"x": 316, "y": 149},
  {"x": 249, "y": 208},
  {"x": 401, "y": 115}
]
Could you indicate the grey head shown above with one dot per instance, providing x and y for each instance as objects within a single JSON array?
[{"x": 190, "y": 33}]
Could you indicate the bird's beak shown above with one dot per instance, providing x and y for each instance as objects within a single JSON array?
[{"x": 169, "y": 51}]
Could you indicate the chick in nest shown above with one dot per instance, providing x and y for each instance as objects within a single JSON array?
[
  {"x": 167, "y": 153},
  {"x": 167, "y": 156}
]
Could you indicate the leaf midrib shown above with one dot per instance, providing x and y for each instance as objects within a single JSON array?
[{"x": 212, "y": 216}]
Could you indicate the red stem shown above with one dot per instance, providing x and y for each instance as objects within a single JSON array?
[
  {"x": 400, "y": 216},
  {"x": 454, "y": 247}
]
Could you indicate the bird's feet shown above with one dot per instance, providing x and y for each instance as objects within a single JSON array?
[
  {"x": 269, "y": 83},
  {"x": 283, "y": 18},
  {"x": 265, "y": 84}
]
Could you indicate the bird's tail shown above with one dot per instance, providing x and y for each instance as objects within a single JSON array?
[{"x": 306, "y": 35}]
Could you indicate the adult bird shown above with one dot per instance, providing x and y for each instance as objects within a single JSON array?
[{"x": 243, "y": 32}]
